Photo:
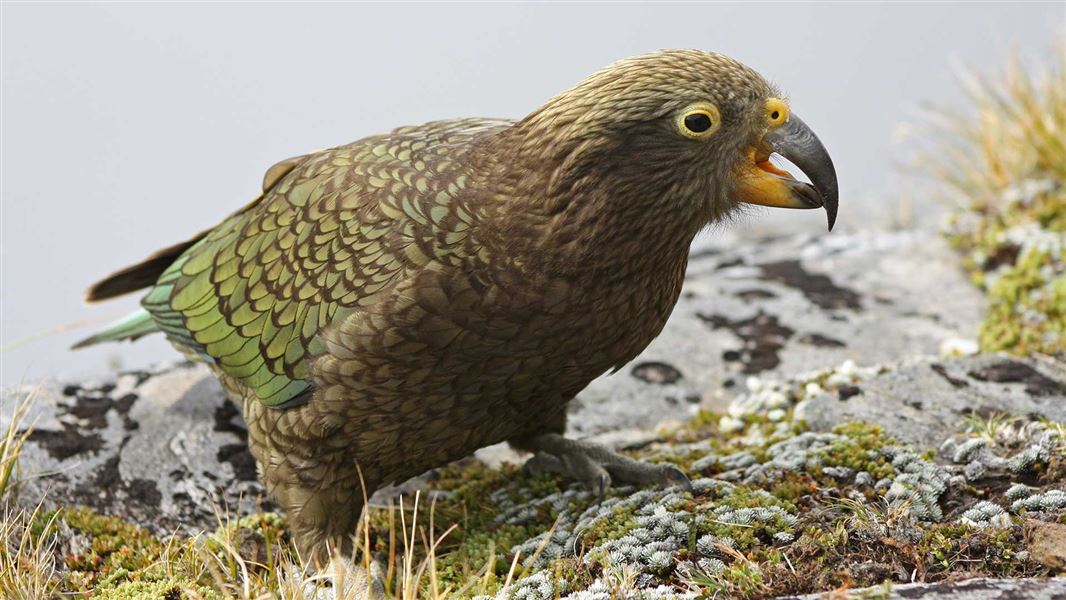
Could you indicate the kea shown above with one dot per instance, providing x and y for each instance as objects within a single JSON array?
[{"x": 393, "y": 304}]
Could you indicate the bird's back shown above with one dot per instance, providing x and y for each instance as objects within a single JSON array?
[{"x": 332, "y": 232}]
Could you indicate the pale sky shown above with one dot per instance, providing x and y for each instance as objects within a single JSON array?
[{"x": 129, "y": 126}]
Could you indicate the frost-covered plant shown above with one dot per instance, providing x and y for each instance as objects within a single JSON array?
[
  {"x": 1046, "y": 501},
  {"x": 986, "y": 515}
]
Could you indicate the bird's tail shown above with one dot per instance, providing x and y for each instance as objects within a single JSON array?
[{"x": 131, "y": 327}]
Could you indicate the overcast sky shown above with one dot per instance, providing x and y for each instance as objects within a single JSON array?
[{"x": 127, "y": 127}]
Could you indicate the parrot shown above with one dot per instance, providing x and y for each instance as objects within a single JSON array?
[{"x": 387, "y": 306}]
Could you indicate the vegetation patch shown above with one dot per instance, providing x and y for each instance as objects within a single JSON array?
[{"x": 1005, "y": 162}]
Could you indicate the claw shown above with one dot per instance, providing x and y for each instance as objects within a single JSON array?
[{"x": 678, "y": 476}]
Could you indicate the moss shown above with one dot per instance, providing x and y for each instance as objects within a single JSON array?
[
  {"x": 1025, "y": 312},
  {"x": 742, "y": 579},
  {"x": 114, "y": 552},
  {"x": 621, "y": 520},
  {"x": 858, "y": 451},
  {"x": 158, "y": 590},
  {"x": 947, "y": 547},
  {"x": 475, "y": 495}
]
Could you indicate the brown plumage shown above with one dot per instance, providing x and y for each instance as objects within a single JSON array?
[{"x": 396, "y": 303}]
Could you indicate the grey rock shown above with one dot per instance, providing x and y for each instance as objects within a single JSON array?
[
  {"x": 971, "y": 589},
  {"x": 160, "y": 447},
  {"x": 924, "y": 401}
]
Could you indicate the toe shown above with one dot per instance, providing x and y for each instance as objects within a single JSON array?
[
  {"x": 583, "y": 468},
  {"x": 542, "y": 462}
]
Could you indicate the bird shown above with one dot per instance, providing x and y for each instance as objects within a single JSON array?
[{"x": 390, "y": 305}]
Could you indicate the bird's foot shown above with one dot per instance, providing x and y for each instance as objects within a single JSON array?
[{"x": 597, "y": 466}]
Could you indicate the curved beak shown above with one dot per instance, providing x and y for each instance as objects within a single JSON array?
[{"x": 766, "y": 185}]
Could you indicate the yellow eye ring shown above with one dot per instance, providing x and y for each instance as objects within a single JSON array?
[
  {"x": 699, "y": 121},
  {"x": 776, "y": 112}
]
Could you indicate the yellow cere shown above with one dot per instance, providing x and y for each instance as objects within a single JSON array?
[
  {"x": 699, "y": 120},
  {"x": 776, "y": 112}
]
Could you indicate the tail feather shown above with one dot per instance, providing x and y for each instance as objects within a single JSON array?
[
  {"x": 140, "y": 275},
  {"x": 133, "y": 326},
  {"x": 147, "y": 272}
]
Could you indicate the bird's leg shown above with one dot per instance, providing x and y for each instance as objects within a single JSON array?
[
  {"x": 322, "y": 517},
  {"x": 595, "y": 465},
  {"x": 323, "y": 509}
]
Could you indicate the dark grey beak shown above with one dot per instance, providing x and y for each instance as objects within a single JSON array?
[{"x": 796, "y": 142}]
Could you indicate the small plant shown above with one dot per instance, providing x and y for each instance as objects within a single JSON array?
[
  {"x": 28, "y": 568},
  {"x": 992, "y": 428},
  {"x": 12, "y": 441}
]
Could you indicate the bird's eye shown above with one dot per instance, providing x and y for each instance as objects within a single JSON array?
[
  {"x": 776, "y": 112},
  {"x": 699, "y": 120}
]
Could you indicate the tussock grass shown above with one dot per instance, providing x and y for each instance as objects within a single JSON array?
[
  {"x": 28, "y": 568},
  {"x": 27, "y": 565},
  {"x": 11, "y": 442},
  {"x": 1012, "y": 128}
]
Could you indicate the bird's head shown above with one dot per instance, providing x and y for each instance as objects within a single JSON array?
[{"x": 681, "y": 130}]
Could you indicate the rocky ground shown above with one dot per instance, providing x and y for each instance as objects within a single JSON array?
[{"x": 825, "y": 395}]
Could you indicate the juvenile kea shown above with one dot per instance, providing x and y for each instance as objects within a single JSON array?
[{"x": 392, "y": 304}]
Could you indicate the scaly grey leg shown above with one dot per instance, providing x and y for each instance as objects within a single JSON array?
[{"x": 596, "y": 465}]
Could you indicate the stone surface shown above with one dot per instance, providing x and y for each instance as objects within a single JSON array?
[
  {"x": 923, "y": 401},
  {"x": 972, "y": 589},
  {"x": 161, "y": 447},
  {"x": 1047, "y": 544}
]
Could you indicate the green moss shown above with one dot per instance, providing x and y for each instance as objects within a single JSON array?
[
  {"x": 792, "y": 486},
  {"x": 620, "y": 522},
  {"x": 948, "y": 546},
  {"x": 858, "y": 451},
  {"x": 479, "y": 539},
  {"x": 1026, "y": 311},
  {"x": 158, "y": 590},
  {"x": 116, "y": 551},
  {"x": 742, "y": 579}
]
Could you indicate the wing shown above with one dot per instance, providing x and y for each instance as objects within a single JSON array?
[{"x": 334, "y": 232}]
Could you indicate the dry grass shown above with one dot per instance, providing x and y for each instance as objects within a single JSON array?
[
  {"x": 11, "y": 442},
  {"x": 28, "y": 567},
  {"x": 232, "y": 562},
  {"x": 1012, "y": 127}
]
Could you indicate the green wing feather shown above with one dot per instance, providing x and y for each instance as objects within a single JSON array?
[{"x": 334, "y": 230}]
